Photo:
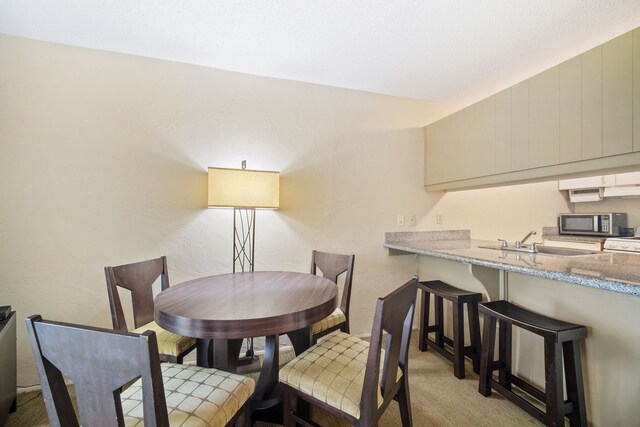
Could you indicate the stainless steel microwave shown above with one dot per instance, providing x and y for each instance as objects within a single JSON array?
[{"x": 593, "y": 224}]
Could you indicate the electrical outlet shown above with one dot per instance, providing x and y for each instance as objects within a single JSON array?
[
  {"x": 412, "y": 219},
  {"x": 400, "y": 220},
  {"x": 439, "y": 219}
]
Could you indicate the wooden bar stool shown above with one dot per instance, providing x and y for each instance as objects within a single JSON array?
[
  {"x": 458, "y": 297},
  {"x": 561, "y": 340}
]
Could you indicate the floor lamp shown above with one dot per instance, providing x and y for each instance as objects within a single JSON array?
[{"x": 245, "y": 191}]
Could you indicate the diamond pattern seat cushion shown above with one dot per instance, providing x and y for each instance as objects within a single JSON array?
[
  {"x": 168, "y": 343},
  {"x": 331, "y": 320},
  {"x": 195, "y": 396},
  {"x": 332, "y": 371}
]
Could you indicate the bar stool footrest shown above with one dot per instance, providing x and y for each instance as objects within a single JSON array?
[
  {"x": 443, "y": 351},
  {"x": 519, "y": 401},
  {"x": 528, "y": 387}
]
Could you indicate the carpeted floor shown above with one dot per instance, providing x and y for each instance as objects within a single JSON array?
[{"x": 437, "y": 399}]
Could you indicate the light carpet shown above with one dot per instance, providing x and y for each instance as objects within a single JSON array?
[{"x": 437, "y": 399}]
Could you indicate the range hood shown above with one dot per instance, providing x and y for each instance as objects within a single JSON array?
[{"x": 596, "y": 188}]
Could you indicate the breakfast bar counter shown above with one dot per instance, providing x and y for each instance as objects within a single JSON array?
[
  {"x": 599, "y": 291},
  {"x": 612, "y": 271}
]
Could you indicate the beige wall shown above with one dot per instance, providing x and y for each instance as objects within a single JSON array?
[{"x": 103, "y": 161}]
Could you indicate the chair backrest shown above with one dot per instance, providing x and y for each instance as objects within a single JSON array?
[
  {"x": 393, "y": 318},
  {"x": 331, "y": 266},
  {"x": 138, "y": 278},
  {"x": 99, "y": 362}
]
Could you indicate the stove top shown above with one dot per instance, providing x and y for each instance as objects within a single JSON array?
[{"x": 624, "y": 244}]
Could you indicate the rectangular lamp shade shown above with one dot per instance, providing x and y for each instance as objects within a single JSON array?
[{"x": 242, "y": 188}]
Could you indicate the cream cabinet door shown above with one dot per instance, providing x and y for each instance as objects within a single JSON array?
[
  {"x": 443, "y": 151},
  {"x": 478, "y": 153},
  {"x": 502, "y": 105},
  {"x": 544, "y": 118},
  {"x": 592, "y": 103},
  {"x": 520, "y": 126},
  {"x": 571, "y": 110},
  {"x": 617, "y": 95}
]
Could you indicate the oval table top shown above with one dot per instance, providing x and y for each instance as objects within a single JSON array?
[{"x": 241, "y": 305}]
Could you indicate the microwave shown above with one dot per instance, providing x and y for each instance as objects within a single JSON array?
[{"x": 593, "y": 224}]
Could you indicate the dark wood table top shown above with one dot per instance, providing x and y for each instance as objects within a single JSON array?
[{"x": 241, "y": 305}]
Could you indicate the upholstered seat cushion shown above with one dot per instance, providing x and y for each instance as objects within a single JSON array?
[
  {"x": 195, "y": 396},
  {"x": 332, "y": 371},
  {"x": 331, "y": 320},
  {"x": 168, "y": 343}
]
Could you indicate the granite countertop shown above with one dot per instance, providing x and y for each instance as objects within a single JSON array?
[{"x": 617, "y": 272}]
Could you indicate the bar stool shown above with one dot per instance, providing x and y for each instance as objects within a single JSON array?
[
  {"x": 458, "y": 297},
  {"x": 561, "y": 340}
]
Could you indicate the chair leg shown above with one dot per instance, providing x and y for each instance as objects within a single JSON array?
[
  {"x": 504, "y": 354},
  {"x": 575, "y": 390},
  {"x": 553, "y": 383},
  {"x": 474, "y": 334},
  {"x": 288, "y": 406},
  {"x": 405, "y": 403},
  {"x": 486, "y": 361},
  {"x": 244, "y": 420},
  {"x": 439, "y": 321},
  {"x": 345, "y": 327},
  {"x": 423, "y": 324},
  {"x": 458, "y": 341}
]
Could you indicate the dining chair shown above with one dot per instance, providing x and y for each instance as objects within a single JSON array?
[
  {"x": 332, "y": 266},
  {"x": 354, "y": 379},
  {"x": 139, "y": 278},
  {"x": 101, "y": 362}
]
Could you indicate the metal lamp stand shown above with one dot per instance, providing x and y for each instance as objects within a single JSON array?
[{"x": 244, "y": 231}]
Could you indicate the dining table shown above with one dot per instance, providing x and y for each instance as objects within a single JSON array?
[{"x": 224, "y": 309}]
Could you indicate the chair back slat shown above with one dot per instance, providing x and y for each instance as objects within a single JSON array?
[
  {"x": 98, "y": 362},
  {"x": 392, "y": 329},
  {"x": 138, "y": 278},
  {"x": 332, "y": 266}
]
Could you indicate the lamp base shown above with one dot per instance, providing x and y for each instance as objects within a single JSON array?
[{"x": 247, "y": 360}]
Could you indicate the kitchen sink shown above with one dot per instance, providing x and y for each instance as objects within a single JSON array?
[
  {"x": 545, "y": 250},
  {"x": 552, "y": 250}
]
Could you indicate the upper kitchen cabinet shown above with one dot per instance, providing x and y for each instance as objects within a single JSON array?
[
  {"x": 520, "y": 126},
  {"x": 544, "y": 119},
  {"x": 502, "y": 117},
  {"x": 570, "y": 110},
  {"x": 617, "y": 95},
  {"x": 579, "y": 117},
  {"x": 592, "y": 104},
  {"x": 446, "y": 138},
  {"x": 478, "y": 152}
]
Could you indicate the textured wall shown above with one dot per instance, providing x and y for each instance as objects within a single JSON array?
[{"x": 103, "y": 161}]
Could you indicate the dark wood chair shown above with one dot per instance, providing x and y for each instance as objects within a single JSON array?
[
  {"x": 332, "y": 266},
  {"x": 139, "y": 278},
  {"x": 101, "y": 362},
  {"x": 343, "y": 374},
  {"x": 8, "y": 364}
]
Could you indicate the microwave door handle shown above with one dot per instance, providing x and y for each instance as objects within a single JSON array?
[{"x": 596, "y": 223}]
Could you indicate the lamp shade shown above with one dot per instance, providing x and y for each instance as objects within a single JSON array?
[{"x": 243, "y": 188}]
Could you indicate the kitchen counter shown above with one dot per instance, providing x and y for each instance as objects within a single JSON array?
[
  {"x": 616, "y": 272},
  {"x": 592, "y": 290}
]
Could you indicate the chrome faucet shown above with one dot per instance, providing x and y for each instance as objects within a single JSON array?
[{"x": 520, "y": 242}]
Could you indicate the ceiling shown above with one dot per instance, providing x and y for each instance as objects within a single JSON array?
[{"x": 450, "y": 51}]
